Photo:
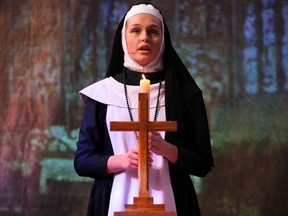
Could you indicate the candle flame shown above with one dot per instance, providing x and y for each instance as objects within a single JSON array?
[{"x": 143, "y": 76}]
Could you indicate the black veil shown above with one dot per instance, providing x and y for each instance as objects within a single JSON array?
[{"x": 183, "y": 103}]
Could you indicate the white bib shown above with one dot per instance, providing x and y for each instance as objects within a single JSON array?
[{"x": 125, "y": 184}]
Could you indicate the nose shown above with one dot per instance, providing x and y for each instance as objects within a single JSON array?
[{"x": 144, "y": 36}]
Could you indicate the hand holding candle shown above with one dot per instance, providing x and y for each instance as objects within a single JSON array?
[{"x": 144, "y": 85}]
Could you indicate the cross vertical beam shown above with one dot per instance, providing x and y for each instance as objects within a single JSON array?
[{"x": 143, "y": 118}]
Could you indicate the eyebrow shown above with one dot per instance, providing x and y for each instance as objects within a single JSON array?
[{"x": 152, "y": 25}]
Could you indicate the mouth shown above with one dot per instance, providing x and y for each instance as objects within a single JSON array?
[{"x": 144, "y": 48}]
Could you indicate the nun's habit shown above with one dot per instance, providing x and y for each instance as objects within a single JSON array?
[{"x": 174, "y": 96}]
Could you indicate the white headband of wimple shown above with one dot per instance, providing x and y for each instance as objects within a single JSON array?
[
  {"x": 143, "y": 8},
  {"x": 155, "y": 65}
]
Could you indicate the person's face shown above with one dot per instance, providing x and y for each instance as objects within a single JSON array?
[{"x": 143, "y": 37}]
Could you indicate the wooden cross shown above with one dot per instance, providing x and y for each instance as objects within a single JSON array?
[{"x": 143, "y": 205}]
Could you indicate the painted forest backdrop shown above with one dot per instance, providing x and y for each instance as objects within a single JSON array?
[{"x": 236, "y": 50}]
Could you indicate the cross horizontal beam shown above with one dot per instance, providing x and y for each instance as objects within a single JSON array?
[{"x": 151, "y": 126}]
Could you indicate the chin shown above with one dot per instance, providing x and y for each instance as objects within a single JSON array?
[{"x": 144, "y": 63}]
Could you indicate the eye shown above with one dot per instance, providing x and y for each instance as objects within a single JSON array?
[
  {"x": 135, "y": 30},
  {"x": 154, "y": 32}
]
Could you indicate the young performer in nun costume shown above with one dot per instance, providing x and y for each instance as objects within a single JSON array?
[{"x": 142, "y": 45}]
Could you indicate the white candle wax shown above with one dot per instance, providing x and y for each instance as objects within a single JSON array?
[{"x": 144, "y": 85}]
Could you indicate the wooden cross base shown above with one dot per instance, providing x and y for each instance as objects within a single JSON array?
[{"x": 143, "y": 206}]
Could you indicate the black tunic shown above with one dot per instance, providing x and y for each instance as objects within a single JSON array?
[{"x": 94, "y": 148}]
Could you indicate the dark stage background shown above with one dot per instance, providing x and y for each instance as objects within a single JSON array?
[{"x": 237, "y": 51}]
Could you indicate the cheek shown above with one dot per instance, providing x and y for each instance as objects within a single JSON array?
[
  {"x": 157, "y": 46},
  {"x": 159, "y": 43},
  {"x": 131, "y": 44}
]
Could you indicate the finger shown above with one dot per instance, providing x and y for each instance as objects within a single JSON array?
[
  {"x": 156, "y": 137},
  {"x": 155, "y": 133},
  {"x": 133, "y": 155},
  {"x": 133, "y": 162},
  {"x": 153, "y": 148},
  {"x": 150, "y": 161},
  {"x": 134, "y": 150},
  {"x": 150, "y": 147}
]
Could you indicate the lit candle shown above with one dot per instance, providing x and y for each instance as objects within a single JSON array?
[{"x": 144, "y": 85}]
